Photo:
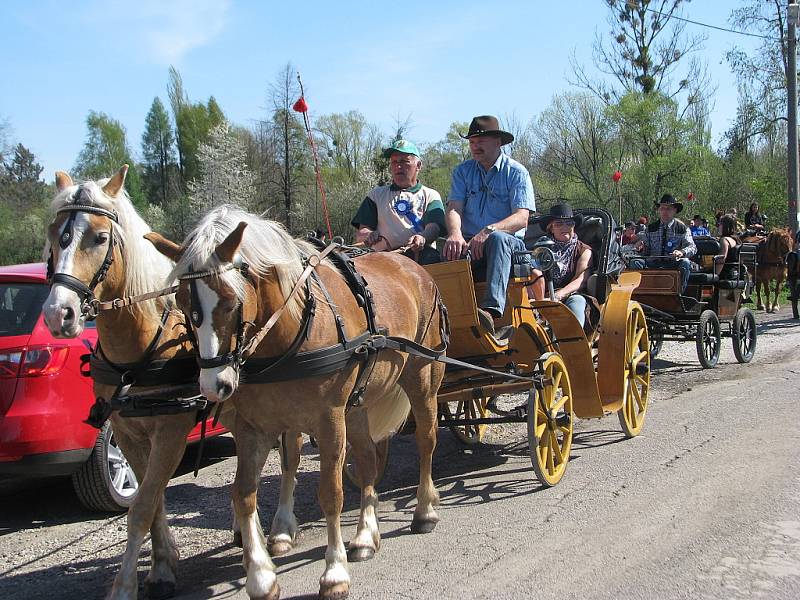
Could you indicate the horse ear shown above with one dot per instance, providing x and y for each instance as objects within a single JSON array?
[
  {"x": 226, "y": 250},
  {"x": 168, "y": 248},
  {"x": 63, "y": 181},
  {"x": 115, "y": 184}
]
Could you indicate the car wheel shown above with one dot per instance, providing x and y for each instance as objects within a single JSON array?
[{"x": 106, "y": 482}]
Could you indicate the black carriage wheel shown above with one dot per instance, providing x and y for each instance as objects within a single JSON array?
[
  {"x": 744, "y": 335},
  {"x": 655, "y": 346},
  {"x": 709, "y": 339}
]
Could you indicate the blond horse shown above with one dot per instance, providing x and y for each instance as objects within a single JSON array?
[
  {"x": 96, "y": 223},
  {"x": 268, "y": 263}
]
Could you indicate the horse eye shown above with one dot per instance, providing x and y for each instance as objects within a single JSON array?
[{"x": 101, "y": 238}]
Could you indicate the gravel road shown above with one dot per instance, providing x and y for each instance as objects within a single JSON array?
[{"x": 704, "y": 504}]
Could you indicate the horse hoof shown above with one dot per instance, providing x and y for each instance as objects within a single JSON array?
[
  {"x": 274, "y": 593},
  {"x": 423, "y": 526},
  {"x": 158, "y": 590},
  {"x": 337, "y": 592},
  {"x": 279, "y": 548},
  {"x": 360, "y": 554},
  {"x": 237, "y": 539}
]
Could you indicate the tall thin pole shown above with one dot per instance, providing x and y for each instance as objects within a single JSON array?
[{"x": 791, "y": 80}]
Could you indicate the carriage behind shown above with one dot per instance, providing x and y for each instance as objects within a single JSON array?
[
  {"x": 710, "y": 308},
  {"x": 561, "y": 371}
]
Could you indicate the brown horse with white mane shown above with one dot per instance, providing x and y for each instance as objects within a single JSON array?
[
  {"x": 771, "y": 257},
  {"x": 236, "y": 273},
  {"x": 98, "y": 252}
]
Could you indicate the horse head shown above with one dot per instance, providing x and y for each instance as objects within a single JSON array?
[
  {"x": 95, "y": 249},
  {"x": 218, "y": 301},
  {"x": 81, "y": 248}
]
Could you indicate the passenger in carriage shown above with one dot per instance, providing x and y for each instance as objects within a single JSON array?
[
  {"x": 727, "y": 242},
  {"x": 404, "y": 213},
  {"x": 628, "y": 234},
  {"x": 667, "y": 243},
  {"x": 754, "y": 219},
  {"x": 698, "y": 228},
  {"x": 490, "y": 200},
  {"x": 572, "y": 260}
]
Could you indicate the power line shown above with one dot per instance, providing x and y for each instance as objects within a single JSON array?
[{"x": 755, "y": 35}]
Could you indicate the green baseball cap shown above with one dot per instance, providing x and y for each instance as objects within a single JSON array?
[{"x": 403, "y": 146}]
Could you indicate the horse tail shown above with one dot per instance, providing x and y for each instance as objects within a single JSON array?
[{"x": 389, "y": 415}]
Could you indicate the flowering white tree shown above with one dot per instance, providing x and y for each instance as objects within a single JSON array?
[{"x": 225, "y": 177}]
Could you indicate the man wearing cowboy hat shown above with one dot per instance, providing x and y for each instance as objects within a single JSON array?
[
  {"x": 405, "y": 213},
  {"x": 490, "y": 200},
  {"x": 668, "y": 241}
]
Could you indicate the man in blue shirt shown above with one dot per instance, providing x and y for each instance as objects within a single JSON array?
[{"x": 491, "y": 198}]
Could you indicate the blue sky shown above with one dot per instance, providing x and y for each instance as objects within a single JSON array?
[{"x": 438, "y": 62}]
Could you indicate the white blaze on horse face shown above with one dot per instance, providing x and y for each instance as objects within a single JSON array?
[
  {"x": 216, "y": 384},
  {"x": 62, "y": 308}
]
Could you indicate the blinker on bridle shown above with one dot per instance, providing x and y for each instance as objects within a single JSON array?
[{"x": 85, "y": 292}]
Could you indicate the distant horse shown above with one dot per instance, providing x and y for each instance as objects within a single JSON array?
[
  {"x": 771, "y": 256},
  {"x": 97, "y": 238},
  {"x": 236, "y": 272}
]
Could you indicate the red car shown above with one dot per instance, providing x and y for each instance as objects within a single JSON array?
[{"x": 44, "y": 399}]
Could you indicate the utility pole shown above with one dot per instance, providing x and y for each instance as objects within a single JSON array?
[{"x": 793, "y": 13}]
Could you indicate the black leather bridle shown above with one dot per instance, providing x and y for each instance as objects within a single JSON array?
[
  {"x": 85, "y": 292},
  {"x": 233, "y": 357}
]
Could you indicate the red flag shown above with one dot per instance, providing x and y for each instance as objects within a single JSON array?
[
  {"x": 616, "y": 176},
  {"x": 300, "y": 106},
  {"x": 690, "y": 196}
]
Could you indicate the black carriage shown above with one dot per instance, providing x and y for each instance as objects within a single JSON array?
[{"x": 710, "y": 308}]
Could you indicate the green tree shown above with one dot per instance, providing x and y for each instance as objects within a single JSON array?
[
  {"x": 105, "y": 150},
  {"x": 158, "y": 153}
]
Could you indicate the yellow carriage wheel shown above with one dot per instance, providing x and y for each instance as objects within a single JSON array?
[
  {"x": 550, "y": 421},
  {"x": 475, "y": 408},
  {"x": 636, "y": 372}
]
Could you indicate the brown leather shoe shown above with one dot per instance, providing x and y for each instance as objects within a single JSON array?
[{"x": 486, "y": 320}]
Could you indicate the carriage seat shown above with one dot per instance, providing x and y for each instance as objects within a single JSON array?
[{"x": 707, "y": 248}]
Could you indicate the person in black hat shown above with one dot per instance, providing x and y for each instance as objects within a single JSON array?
[
  {"x": 490, "y": 200},
  {"x": 668, "y": 242},
  {"x": 572, "y": 260}
]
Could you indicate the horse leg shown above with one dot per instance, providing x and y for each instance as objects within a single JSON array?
[
  {"x": 283, "y": 532},
  {"x": 778, "y": 286},
  {"x": 335, "y": 581},
  {"x": 252, "y": 449},
  {"x": 368, "y": 537},
  {"x": 420, "y": 384},
  {"x": 759, "y": 305},
  {"x": 165, "y": 455}
]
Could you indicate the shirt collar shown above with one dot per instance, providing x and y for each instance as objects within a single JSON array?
[
  {"x": 668, "y": 225},
  {"x": 496, "y": 166},
  {"x": 413, "y": 189}
]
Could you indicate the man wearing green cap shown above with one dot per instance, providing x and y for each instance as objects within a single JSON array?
[{"x": 404, "y": 213}]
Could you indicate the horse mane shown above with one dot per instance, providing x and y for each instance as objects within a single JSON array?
[
  {"x": 266, "y": 246},
  {"x": 145, "y": 267}
]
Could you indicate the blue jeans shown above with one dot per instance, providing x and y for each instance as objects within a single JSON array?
[
  {"x": 577, "y": 306},
  {"x": 683, "y": 265},
  {"x": 498, "y": 255}
]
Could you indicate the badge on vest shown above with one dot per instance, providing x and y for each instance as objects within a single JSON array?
[{"x": 404, "y": 209}]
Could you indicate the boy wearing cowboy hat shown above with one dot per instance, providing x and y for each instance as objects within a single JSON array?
[
  {"x": 490, "y": 200},
  {"x": 668, "y": 241}
]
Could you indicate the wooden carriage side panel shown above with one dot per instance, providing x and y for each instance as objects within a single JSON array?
[
  {"x": 454, "y": 280},
  {"x": 577, "y": 355},
  {"x": 660, "y": 289},
  {"x": 613, "y": 330}
]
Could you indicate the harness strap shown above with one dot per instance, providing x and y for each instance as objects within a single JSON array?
[{"x": 313, "y": 262}]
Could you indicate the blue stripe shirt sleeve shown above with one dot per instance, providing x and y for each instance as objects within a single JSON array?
[
  {"x": 522, "y": 195},
  {"x": 458, "y": 185}
]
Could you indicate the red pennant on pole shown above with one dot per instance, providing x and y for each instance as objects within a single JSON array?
[
  {"x": 616, "y": 176},
  {"x": 300, "y": 106},
  {"x": 690, "y": 196}
]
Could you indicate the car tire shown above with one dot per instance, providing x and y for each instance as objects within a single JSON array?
[{"x": 106, "y": 482}]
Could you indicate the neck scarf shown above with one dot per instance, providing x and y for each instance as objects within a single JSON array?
[{"x": 564, "y": 254}]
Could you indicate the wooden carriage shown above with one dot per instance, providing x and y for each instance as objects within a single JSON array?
[
  {"x": 547, "y": 356},
  {"x": 709, "y": 309}
]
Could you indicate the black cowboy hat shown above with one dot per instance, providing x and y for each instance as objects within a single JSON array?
[
  {"x": 669, "y": 199},
  {"x": 559, "y": 211},
  {"x": 487, "y": 125}
]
